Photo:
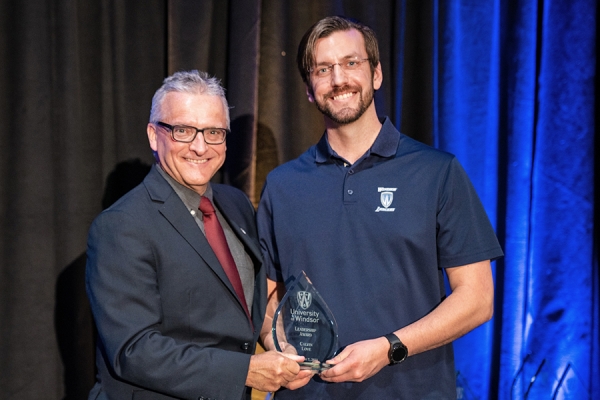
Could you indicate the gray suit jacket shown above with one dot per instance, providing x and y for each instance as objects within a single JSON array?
[{"x": 169, "y": 323}]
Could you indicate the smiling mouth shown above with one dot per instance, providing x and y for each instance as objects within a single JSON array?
[
  {"x": 196, "y": 161},
  {"x": 343, "y": 96}
]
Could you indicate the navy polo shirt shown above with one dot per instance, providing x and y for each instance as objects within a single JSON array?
[{"x": 374, "y": 238}]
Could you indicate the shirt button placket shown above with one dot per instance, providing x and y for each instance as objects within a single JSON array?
[{"x": 348, "y": 191}]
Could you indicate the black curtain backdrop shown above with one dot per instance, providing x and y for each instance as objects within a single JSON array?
[{"x": 76, "y": 82}]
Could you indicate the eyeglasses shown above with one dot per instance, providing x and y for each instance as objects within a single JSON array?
[
  {"x": 324, "y": 70},
  {"x": 187, "y": 134}
]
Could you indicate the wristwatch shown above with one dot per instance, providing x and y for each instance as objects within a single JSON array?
[{"x": 398, "y": 351}]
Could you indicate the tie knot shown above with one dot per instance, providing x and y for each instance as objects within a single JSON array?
[{"x": 206, "y": 206}]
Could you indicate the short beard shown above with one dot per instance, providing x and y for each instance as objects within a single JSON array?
[{"x": 346, "y": 115}]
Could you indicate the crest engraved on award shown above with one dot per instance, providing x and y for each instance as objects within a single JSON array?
[{"x": 304, "y": 321}]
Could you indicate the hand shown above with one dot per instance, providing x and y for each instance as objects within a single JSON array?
[
  {"x": 304, "y": 376},
  {"x": 270, "y": 370},
  {"x": 287, "y": 348},
  {"x": 358, "y": 361}
]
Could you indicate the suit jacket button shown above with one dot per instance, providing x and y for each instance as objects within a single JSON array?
[{"x": 245, "y": 346}]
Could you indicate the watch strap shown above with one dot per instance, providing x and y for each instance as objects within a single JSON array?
[{"x": 398, "y": 351}]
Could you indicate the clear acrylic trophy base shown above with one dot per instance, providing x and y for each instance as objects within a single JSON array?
[{"x": 315, "y": 366}]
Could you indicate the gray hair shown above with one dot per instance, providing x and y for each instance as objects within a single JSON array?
[{"x": 193, "y": 82}]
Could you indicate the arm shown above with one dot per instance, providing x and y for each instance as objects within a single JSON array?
[
  {"x": 275, "y": 292},
  {"x": 132, "y": 303},
  {"x": 131, "y": 312},
  {"x": 469, "y": 305}
]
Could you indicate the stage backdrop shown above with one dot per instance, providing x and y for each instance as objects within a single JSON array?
[{"x": 507, "y": 86}]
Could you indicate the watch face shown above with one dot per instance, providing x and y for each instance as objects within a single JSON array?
[{"x": 399, "y": 353}]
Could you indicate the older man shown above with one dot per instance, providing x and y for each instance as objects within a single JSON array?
[{"x": 174, "y": 272}]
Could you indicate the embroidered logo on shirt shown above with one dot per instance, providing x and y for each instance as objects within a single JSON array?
[{"x": 386, "y": 197}]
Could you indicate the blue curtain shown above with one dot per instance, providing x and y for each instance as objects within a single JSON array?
[{"x": 514, "y": 98}]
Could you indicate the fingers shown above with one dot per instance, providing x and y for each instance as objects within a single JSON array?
[
  {"x": 294, "y": 357},
  {"x": 303, "y": 377},
  {"x": 340, "y": 357},
  {"x": 270, "y": 370},
  {"x": 343, "y": 372},
  {"x": 288, "y": 348},
  {"x": 357, "y": 362}
]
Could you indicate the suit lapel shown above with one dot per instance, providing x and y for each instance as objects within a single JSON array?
[
  {"x": 172, "y": 208},
  {"x": 224, "y": 207},
  {"x": 241, "y": 223}
]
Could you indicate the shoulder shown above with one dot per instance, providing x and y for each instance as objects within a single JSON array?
[
  {"x": 408, "y": 146},
  {"x": 305, "y": 163},
  {"x": 391, "y": 141},
  {"x": 130, "y": 212},
  {"x": 139, "y": 204},
  {"x": 222, "y": 192},
  {"x": 230, "y": 198},
  {"x": 220, "y": 189},
  {"x": 424, "y": 161}
]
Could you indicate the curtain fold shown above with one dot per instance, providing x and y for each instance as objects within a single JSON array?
[
  {"x": 519, "y": 114},
  {"x": 242, "y": 81},
  {"x": 467, "y": 126}
]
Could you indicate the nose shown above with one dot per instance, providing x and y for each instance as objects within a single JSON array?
[
  {"x": 338, "y": 75},
  {"x": 198, "y": 145}
]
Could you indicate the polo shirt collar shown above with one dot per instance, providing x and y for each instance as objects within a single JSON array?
[{"x": 385, "y": 145}]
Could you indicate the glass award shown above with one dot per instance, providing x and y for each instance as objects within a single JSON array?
[{"x": 304, "y": 321}]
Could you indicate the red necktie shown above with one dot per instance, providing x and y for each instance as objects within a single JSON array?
[{"x": 216, "y": 239}]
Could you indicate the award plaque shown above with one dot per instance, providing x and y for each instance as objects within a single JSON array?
[{"x": 304, "y": 321}]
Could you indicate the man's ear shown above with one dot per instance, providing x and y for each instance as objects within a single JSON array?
[
  {"x": 377, "y": 77},
  {"x": 151, "y": 132},
  {"x": 309, "y": 94}
]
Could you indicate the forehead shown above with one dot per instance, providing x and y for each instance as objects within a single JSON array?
[
  {"x": 181, "y": 107},
  {"x": 340, "y": 44}
]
